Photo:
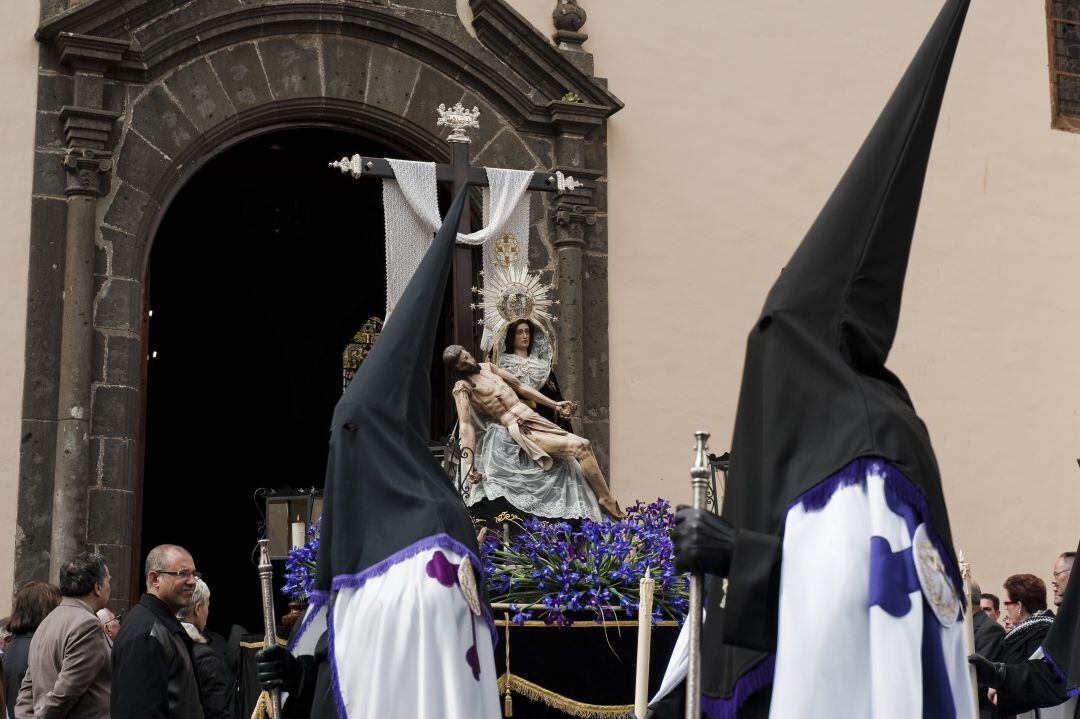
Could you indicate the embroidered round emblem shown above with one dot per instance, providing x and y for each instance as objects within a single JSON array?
[
  {"x": 937, "y": 587},
  {"x": 467, "y": 582}
]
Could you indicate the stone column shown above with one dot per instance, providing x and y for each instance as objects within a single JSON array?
[
  {"x": 88, "y": 164},
  {"x": 570, "y": 222}
]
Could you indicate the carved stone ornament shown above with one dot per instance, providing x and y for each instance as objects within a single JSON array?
[
  {"x": 87, "y": 171},
  {"x": 937, "y": 587},
  {"x": 569, "y": 214},
  {"x": 568, "y": 16},
  {"x": 457, "y": 118}
]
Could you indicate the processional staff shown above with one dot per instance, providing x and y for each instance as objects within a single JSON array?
[
  {"x": 969, "y": 625},
  {"x": 699, "y": 480},
  {"x": 461, "y": 175},
  {"x": 266, "y": 579}
]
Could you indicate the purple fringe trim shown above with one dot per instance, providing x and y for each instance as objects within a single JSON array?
[
  {"x": 746, "y": 686},
  {"x": 335, "y": 683},
  {"x": 1053, "y": 665},
  {"x": 437, "y": 541},
  {"x": 1069, "y": 691},
  {"x": 898, "y": 485},
  {"x": 815, "y": 499}
]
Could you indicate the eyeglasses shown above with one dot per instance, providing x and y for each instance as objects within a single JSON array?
[
  {"x": 1063, "y": 571},
  {"x": 182, "y": 574},
  {"x": 1007, "y": 603}
]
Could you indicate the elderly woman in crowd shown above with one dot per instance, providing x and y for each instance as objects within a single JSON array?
[
  {"x": 1031, "y": 620},
  {"x": 217, "y": 687},
  {"x": 32, "y": 603}
]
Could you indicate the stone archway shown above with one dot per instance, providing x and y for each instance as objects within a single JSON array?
[{"x": 156, "y": 90}]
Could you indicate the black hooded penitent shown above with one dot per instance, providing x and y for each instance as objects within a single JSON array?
[
  {"x": 384, "y": 490},
  {"x": 816, "y": 394}
]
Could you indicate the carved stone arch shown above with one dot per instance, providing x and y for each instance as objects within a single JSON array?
[{"x": 144, "y": 94}]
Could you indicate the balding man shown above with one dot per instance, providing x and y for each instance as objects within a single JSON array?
[
  {"x": 153, "y": 675},
  {"x": 110, "y": 623}
]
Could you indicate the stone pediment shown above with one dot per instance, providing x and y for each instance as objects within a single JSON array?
[{"x": 509, "y": 60}]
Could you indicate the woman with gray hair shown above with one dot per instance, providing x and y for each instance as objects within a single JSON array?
[{"x": 217, "y": 692}]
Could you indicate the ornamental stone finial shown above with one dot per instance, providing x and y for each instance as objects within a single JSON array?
[{"x": 568, "y": 16}]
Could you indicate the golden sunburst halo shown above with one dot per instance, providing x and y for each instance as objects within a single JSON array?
[{"x": 510, "y": 294}]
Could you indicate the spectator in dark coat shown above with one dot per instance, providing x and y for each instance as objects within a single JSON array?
[
  {"x": 1030, "y": 619},
  {"x": 991, "y": 604},
  {"x": 32, "y": 603},
  {"x": 68, "y": 672},
  {"x": 217, "y": 686},
  {"x": 153, "y": 662},
  {"x": 988, "y": 635}
]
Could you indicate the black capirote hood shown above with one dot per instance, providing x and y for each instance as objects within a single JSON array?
[{"x": 384, "y": 489}]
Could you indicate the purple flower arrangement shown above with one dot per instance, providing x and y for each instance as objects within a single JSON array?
[
  {"x": 549, "y": 571},
  {"x": 300, "y": 566}
]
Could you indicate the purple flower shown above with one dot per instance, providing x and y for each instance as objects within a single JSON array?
[
  {"x": 553, "y": 569},
  {"x": 300, "y": 567}
]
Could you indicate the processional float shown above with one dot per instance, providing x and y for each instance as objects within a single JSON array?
[{"x": 460, "y": 174}]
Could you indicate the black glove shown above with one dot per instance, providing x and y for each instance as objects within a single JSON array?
[
  {"x": 704, "y": 542},
  {"x": 278, "y": 669},
  {"x": 990, "y": 674}
]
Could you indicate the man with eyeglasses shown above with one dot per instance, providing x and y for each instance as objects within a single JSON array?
[
  {"x": 153, "y": 659},
  {"x": 1060, "y": 575}
]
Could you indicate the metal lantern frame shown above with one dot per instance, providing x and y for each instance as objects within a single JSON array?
[{"x": 283, "y": 507}]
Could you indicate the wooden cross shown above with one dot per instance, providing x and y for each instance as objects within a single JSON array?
[{"x": 459, "y": 174}]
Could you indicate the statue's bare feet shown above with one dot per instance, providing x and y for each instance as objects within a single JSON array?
[{"x": 611, "y": 508}]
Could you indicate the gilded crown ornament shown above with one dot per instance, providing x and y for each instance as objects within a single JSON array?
[{"x": 457, "y": 118}]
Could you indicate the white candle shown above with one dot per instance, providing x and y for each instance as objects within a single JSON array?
[
  {"x": 644, "y": 640},
  {"x": 299, "y": 529}
]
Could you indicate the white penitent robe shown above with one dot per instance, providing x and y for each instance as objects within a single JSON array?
[
  {"x": 404, "y": 641},
  {"x": 856, "y": 637}
]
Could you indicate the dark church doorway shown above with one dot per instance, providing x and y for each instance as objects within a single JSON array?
[{"x": 265, "y": 265}]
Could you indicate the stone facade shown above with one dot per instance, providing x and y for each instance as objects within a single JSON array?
[{"x": 135, "y": 97}]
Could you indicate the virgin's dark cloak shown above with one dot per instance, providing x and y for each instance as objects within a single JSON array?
[{"x": 816, "y": 394}]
